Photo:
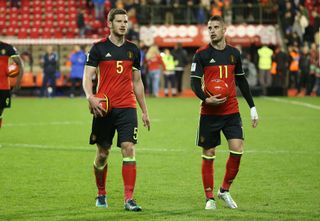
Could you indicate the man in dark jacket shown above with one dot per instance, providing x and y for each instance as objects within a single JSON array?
[
  {"x": 181, "y": 57},
  {"x": 50, "y": 66}
]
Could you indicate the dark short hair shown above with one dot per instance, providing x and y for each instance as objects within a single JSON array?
[
  {"x": 217, "y": 18},
  {"x": 114, "y": 12}
]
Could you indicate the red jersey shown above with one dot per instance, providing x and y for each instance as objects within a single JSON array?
[
  {"x": 210, "y": 63},
  {"x": 115, "y": 71},
  {"x": 6, "y": 51},
  {"x": 155, "y": 63}
]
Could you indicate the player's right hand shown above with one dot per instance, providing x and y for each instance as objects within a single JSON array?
[
  {"x": 95, "y": 107},
  {"x": 214, "y": 100}
]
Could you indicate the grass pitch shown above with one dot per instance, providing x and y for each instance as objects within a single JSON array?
[{"x": 46, "y": 163}]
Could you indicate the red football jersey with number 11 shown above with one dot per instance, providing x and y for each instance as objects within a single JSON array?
[
  {"x": 115, "y": 67},
  {"x": 210, "y": 64}
]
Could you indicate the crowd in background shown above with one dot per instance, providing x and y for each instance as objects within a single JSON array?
[{"x": 292, "y": 65}]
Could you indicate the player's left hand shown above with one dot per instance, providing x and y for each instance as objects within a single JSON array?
[
  {"x": 254, "y": 116},
  {"x": 146, "y": 120}
]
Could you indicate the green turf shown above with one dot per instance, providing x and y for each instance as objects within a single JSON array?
[{"x": 46, "y": 163}]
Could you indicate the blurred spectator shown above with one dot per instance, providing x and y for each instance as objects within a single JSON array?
[
  {"x": 155, "y": 66},
  {"x": 133, "y": 33},
  {"x": 27, "y": 60},
  {"x": 89, "y": 4},
  {"x": 265, "y": 60},
  {"x": 203, "y": 9},
  {"x": 237, "y": 10},
  {"x": 50, "y": 67},
  {"x": 299, "y": 25},
  {"x": 304, "y": 66},
  {"x": 81, "y": 23},
  {"x": 144, "y": 13},
  {"x": 78, "y": 61},
  {"x": 169, "y": 77},
  {"x": 227, "y": 14},
  {"x": 281, "y": 59},
  {"x": 119, "y": 4},
  {"x": 250, "y": 71},
  {"x": 132, "y": 16},
  {"x": 99, "y": 9},
  {"x": 181, "y": 58},
  {"x": 288, "y": 18},
  {"x": 168, "y": 15},
  {"x": 216, "y": 8},
  {"x": 314, "y": 64},
  {"x": 293, "y": 39},
  {"x": 294, "y": 67},
  {"x": 143, "y": 65},
  {"x": 15, "y": 3}
]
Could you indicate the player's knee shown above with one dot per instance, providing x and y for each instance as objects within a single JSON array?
[
  {"x": 103, "y": 155},
  {"x": 209, "y": 152},
  {"x": 237, "y": 149},
  {"x": 128, "y": 149}
]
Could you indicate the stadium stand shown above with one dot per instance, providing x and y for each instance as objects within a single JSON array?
[
  {"x": 34, "y": 24},
  {"x": 45, "y": 19}
]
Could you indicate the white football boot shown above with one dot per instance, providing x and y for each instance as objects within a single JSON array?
[
  {"x": 226, "y": 197},
  {"x": 211, "y": 204}
]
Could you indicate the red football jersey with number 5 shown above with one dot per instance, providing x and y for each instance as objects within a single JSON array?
[{"x": 115, "y": 67}]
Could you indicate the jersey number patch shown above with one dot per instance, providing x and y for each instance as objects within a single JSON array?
[
  {"x": 119, "y": 67},
  {"x": 135, "y": 133},
  {"x": 225, "y": 69}
]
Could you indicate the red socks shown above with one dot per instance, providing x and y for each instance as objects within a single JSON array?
[
  {"x": 128, "y": 174},
  {"x": 129, "y": 177},
  {"x": 207, "y": 172},
  {"x": 101, "y": 175},
  {"x": 232, "y": 169}
]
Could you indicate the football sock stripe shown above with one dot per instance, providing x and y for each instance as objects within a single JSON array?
[
  {"x": 236, "y": 152},
  {"x": 208, "y": 157}
]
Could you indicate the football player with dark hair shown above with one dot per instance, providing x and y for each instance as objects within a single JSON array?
[
  {"x": 217, "y": 60},
  {"x": 116, "y": 62},
  {"x": 8, "y": 55}
]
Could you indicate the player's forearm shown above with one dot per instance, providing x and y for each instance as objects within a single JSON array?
[
  {"x": 87, "y": 82},
  {"x": 139, "y": 93},
  {"x": 196, "y": 87},
  {"x": 87, "y": 86},
  {"x": 245, "y": 90}
]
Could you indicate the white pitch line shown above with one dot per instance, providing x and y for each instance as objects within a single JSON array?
[
  {"x": 311, "y": 106},
  {"x": 154, "y": 149}
]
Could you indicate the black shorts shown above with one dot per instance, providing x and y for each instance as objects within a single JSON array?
[
  {"x": 210, "y": 127},
  {"x": 124, "y": 120},
  {"x": 5, "y": 99}
]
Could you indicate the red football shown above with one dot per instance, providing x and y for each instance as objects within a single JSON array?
[
  {"x": 217, "y": 86},
  {"x": 105, "y": 103},
  {"x": 13, "y": 70}
]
